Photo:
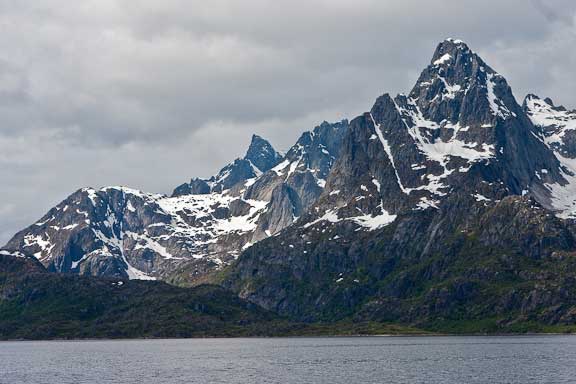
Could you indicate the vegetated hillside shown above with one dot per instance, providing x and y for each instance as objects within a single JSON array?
[
  {"x": 36, "y": 304},
  {"x": 40, "y": 305}
]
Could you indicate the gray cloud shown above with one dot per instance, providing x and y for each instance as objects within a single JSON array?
[
  {"x": 148, "y": 94},
  {"x": 553, "y": 12}
]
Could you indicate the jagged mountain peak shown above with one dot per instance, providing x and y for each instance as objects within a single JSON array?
[
  {"x": 458, "y": 131},
  {"x": 259, "y": 158},
  {"x": 552, "y": 119},
  {"x": 458, "y": 86},
  {"x": 317, "y": 149},
  {"x": 556, "y": 126},
  {"x": 448, "y": 50},
  {"x": 533, "y": 102},
  {"x": 262, "y": 154}
]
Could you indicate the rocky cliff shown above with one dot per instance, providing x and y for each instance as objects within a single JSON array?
[
  {"x": 202, "y": 227},
  {"x": 446, "y": 205},
  {"x": 450, "y": 203}
]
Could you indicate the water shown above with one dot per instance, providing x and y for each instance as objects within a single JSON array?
[{"x": 446, "y": 360}]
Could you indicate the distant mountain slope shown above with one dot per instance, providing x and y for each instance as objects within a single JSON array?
[
  {"x": 122, "y": 232},
  {"x": 557, "y": 130}
]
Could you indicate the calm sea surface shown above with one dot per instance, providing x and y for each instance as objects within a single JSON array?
[{"x": 539, "y": 359}]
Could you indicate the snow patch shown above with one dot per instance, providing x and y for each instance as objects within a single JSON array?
[{"x": 446, "y": 57}]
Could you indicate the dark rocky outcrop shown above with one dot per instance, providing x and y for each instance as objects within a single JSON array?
[
  {"x": 444, "y": 205},
  {"x": 262, "y": 154}
]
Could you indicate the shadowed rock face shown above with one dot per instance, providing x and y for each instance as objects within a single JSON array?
[
  {"x": 433, "y": 196},
  {"x": 203, "y": 226},
  {"x": 262, "y": 154}
]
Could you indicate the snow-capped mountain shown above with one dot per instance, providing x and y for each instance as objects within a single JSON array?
[
  {"x": 557, "y": 130},
  {"x": 204, "y": 225},
  {"x": 451, "y": 203},
  {"x": 438, "y": 199},
  {"x": 358, "y": 212},
  {"x": 259, "y": 158},
  {"x": 460, "y": 128}
]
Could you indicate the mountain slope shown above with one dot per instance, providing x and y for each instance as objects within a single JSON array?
[
  {"x": 451, "y": 208},
  {"x": 36, "y": 304},
  {"x": 557, "y": 130},
  {"x": 441, "y": 206},
  {"x": 203, "y": 226}
]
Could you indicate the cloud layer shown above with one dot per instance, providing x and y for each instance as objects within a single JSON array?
[{"x": 147, "y": 93}]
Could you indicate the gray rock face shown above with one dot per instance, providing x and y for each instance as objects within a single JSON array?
[
  {"x": 299, "y": 179},
  {"x": 556, "y": 129},
  {"x": 313, "y": 155},
  {"x": 262, "y": 154},
  {"x": 425, "y": 206},
  {"x": 455, "y": 169},
  {"x": 202, "y": 227},
  {"x": 235, "y": 173}
]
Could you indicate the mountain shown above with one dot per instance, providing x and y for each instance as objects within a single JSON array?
[
  {"x": 451, "y": 208},
  {"x": 556, "y": 129},
  {"x": 202, "y": 227},
  {"x": 294, "y": 184},
  {"x": 446, "y": 205},
  {"x": 259, "y": 158}
]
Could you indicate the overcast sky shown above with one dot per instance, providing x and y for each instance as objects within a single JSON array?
[{"x": 149, "y": 93}]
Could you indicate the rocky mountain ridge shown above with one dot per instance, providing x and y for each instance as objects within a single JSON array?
[
  {"x": 437, "y": 200},
  {"x": 451, "y": 203},
  {"x": 203, "y": 226}
]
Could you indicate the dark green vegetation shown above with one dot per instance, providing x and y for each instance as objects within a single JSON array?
[{"x": 35, "y": 304}]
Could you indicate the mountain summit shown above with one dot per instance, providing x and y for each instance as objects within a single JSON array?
[
  {"x": 435, "y": 197},
  {"x": 261, "y": 154},
  {"x": 452, "y": 201},
  {"x": 458, "y": 86}
]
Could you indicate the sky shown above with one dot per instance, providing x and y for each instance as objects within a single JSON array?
[{"x": 148, "y": 94}]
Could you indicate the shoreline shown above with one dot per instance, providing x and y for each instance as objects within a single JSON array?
[{"x": 404, "y": 335}]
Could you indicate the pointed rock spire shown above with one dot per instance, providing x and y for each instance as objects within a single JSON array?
[
  {"x": 261, "y": 154},
  {"x": 458, "y": 86}
]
